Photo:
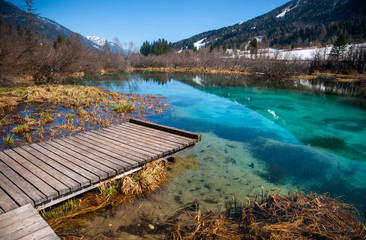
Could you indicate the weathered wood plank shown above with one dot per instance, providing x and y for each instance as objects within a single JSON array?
[
  {"x": 43, "y": 233},
  {"x": 99, "y": 174},
  {"x": 167, "y": 129},
  {"x": 136, "y": 150},
  {"x": 106, "y": 149},
  {"x": 66, "y": 183},
  {"x": 24, "y": 223},
  {"x": 114, "y": 163},
  {"x": 137, "y": 143},
  {"x": 156, "y": 133},
  {"x": 151, "y": 131},
  {"x": 79, "y": 180},
  {"x": 110, "y": 172},
  {"x": 52, "y": 236},
  {"x": 23, "y": 228},
  {"x": 73, "y": 167},
  {"x": 6, "y": 202},
  {"x": 10, "y": 217},
  {"x": 14, "y": 192},
  {"x": 171, "y": 136},
  {"x": 135, "y": 153},
  {"x": 148, "y": 142},
  {"x": 157, "y": 139},
  {"x": 39, "y": 172},
  {"x": 38, "y": 183},
  {"x": 23, "y": 186}
]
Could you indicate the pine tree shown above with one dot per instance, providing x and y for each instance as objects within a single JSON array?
[
  {"x": 253, "y": 46},
  {"x": 339, "y": 47}
]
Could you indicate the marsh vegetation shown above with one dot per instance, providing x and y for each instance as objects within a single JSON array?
[{"x": 37, "y": 113}]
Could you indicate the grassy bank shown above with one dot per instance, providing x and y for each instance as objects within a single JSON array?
[{"x": 37, "y": 113}]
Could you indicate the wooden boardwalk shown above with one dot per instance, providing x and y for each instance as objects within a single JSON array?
[
  {"x": 43, "y": 174},
  {"x": 25, "y": 223}
]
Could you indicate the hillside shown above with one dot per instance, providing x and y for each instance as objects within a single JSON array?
[
  {"x": 298, "y": 23},
  {"x": 45, "y": 28}
]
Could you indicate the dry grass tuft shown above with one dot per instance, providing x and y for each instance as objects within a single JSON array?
[
  {"x": 111, "y": 193},
  {"x": 275, "y": 216},
  {"x": 130, "y": 187}
]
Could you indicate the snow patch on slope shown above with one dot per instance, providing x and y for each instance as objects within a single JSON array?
[
  {"x": 286, "y": 10},
  {"x": 199, "y": 44},
  {"x": 283, "y": 13}
]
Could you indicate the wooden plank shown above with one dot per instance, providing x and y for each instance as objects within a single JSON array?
[
  {"x": 38, "y": 183},
  {"x": 105, "y": 149},
  {"x": 142, "y": 144},
  {"x": 43, "y": 233},
  {"x": 123, "y": 143},
  {"x": 13, "y": 217},
  {"x": 65, "y": 180},
  {"x": 167, "y": 129},
  {"x": 147, "y": 142},
  {"x": 6, "y": 218},
  {"x": 14, "y": 192},
  {"x": 23, "y": 228},
  {"x": 114, "y": 163},
  {"x": 171, "y": 136},
  {"x": 25, "y": 187},
  {"x": 136, "y": 153},
  {"x": 156, "y": 133},
  {"x": 99, "y": 174},
  {"x": 138, "y": 143},
  {"x": 94, "y": 150},
  {"x": 80, "y": 180},
  {"x": 24, "y": 223},
  {"x": 157, "y": 139},
  {"x": 52, "y": 236},
  {"x": 110, "y": 172},
  {"x": 151, "y": 139},
  {"x": 6, "y": 202},
  {"x": 92, "y": 178}
]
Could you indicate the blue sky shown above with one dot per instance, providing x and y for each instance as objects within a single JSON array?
[{"x": 141, "y": 20}]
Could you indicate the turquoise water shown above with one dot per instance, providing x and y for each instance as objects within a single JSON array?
[{"x": 252, "y": 138}]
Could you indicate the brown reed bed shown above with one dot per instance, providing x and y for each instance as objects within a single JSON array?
[
  {"x": 74, "y": 212},
  {"x": 272, "y": 216},
  {"x": 37, "y": 113}
]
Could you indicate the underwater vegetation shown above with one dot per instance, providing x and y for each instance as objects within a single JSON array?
[
  {"x": 326, "y": 141},
  {"x": 276, "y": 173}
]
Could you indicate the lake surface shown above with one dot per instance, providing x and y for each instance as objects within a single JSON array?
[{"x": 255, "y": 135}]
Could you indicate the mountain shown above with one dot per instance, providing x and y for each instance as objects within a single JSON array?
[
  {"x": 99, "y": 43},
  {"x": 298, "y": 23},
  {"x": 48, "y": 30}
]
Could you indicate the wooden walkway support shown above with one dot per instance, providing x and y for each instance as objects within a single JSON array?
[{"x": 46, "y": 173}]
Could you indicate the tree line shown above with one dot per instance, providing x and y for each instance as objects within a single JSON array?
[{"x": 158, "y": 47}]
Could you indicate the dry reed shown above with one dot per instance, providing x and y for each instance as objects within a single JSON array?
[
  {"x": 111, "y": 193},
  {"x": 275, "y": 216}
]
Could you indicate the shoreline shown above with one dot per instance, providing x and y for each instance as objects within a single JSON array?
[{"x": 315, "y": 76}]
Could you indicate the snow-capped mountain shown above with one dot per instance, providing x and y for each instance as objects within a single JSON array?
[{"x": 99, "y": 43}]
